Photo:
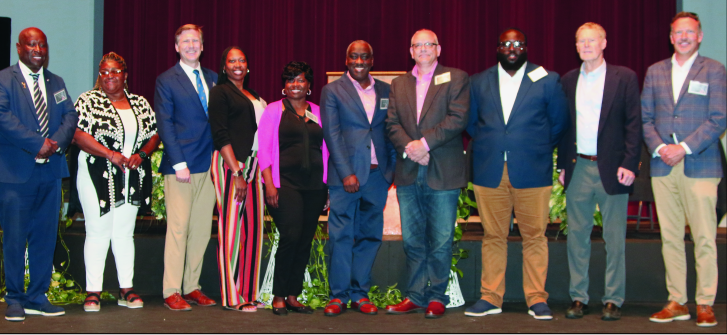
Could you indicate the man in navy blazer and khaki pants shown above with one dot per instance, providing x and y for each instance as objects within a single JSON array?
[
  {"x": 599, "y": 159},
  {"x": 519, "y": 114},
  {"x": 683, "y": 110},
  {"x": 180, "y": 103},
  {"x": 37, "y": 123},
  {"x": 361, "y": 168}
]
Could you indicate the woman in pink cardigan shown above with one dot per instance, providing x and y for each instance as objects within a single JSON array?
[{"x": 294, "y": 163}]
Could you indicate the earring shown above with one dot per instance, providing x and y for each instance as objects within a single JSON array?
[
  {"x": 308, "y": 92},
  {"x": 223, "y": 71},
  {"x": 283, "y": 91},
  {"x": 248, "y": 70}
]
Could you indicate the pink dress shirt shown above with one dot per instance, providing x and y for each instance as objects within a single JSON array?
[
  {"x": 368, "y": 99},
  {"x": 422, "y": 89}
]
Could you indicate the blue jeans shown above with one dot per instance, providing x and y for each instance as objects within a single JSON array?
[{"x": 427, "y": 227}]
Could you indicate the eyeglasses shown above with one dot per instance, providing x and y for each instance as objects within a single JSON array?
[
  {"x": 105, "y": 73},
  {"x": 427, "y": 45},
  {"x": 508, "y": 44}
]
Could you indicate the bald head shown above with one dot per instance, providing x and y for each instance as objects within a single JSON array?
[
  {"x": 362, "y": 43},
  {"x": 32, "y": 48},
  {"x": 428, "y": 34}
]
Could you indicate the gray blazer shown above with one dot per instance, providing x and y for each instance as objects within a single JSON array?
[
  {"x": 697, "y": 120},
  {"x": 443, "y": 118}
]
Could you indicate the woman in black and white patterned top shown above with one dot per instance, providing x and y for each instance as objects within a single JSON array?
[{"x": 116, "y": 133}]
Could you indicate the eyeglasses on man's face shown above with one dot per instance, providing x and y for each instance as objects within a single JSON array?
[
  {"x": 508, "y": 44},
  {"x": 428, "y": 45}
]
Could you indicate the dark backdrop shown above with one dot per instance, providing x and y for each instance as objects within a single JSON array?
[{"x": 274, "y": 32}]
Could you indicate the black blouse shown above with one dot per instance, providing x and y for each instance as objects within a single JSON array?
[
  {"x": 298, "y": 170},
  {"x": 232, "y": 119}
]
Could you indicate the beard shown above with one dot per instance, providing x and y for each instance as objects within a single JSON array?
[{"x": 502, "y": 59}]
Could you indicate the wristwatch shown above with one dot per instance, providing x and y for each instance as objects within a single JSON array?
[
  {"x": 238, "y": 173},
  {"x": 142, "y": 154}
]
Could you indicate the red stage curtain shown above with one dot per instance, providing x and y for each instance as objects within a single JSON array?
[{"x": 274, "y": 32}]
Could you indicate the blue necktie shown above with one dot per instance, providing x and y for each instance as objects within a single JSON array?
[{"x": 200, "y": 91}]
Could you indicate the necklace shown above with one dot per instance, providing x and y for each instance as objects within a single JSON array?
[{"x": 112, "y": 100}]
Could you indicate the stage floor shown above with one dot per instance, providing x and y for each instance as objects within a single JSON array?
[{"x": 155, "y": 318}]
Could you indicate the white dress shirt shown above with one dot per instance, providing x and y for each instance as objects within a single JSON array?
[
  {"x": 193, "y": 78},
  {"x": 589, "y": 98},
  {"x": 678, "y": 77},
  {"x": 509, "y": 86},
  {"x": 30, "y": 82}
]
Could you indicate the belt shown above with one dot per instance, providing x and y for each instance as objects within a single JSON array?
[
  {"x": 590, "y": 158},
  {"x": 374, "y": 166}
]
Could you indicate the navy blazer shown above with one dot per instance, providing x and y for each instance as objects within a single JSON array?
[
  {"x": 20, "y": 138},
  {"x": 537, "y": 122},
  {"x": 619, "y": 128},
  {"x": 697, "y": 120},
  {"x": 348, "y": 133},
  {"x": 181, "y": 121}
]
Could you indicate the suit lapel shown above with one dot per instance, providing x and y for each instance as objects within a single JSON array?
[
  {"x": 26, "y": 92},
  {"x": 431, "y": 92},
  {"x": 696, "y": 67},
  {"x": 571, "y": 87},
  {"x": 523, "y": 91},
  {"x": 609, "y": 93},
  {"x": 411, "y": 92},
  {"x": 494, "y": 86},
  {"x": 188, "y": 86},
  {"x": 379, "y": 115},
  {"x": 351, "y": 91}
]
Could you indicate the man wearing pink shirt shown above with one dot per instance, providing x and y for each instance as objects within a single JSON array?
[
  {"x": 361, "y": 169},
  {"x": 428, "y": 111}
]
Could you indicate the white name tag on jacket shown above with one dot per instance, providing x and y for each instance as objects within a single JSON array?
[
  {"x": 442, "y": 78},
  {"x": 696, "y": 87},
  {"x": 384, "y": 103},
  {"x": 60, "y": 96},
  {"x": 312, "y": 117},
  {"x": 537, "y": 74}
]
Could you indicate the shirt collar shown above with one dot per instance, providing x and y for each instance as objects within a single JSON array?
[
  {"x": 601, "y": 69},
  {"x": 426, "y": 76},
  {"x": 358, "y": 86},
  {"x": 189, "y": 70},
  {"x": 687, "y": 64},
  {"x": 518, "y": 75},
  {"x": 25, "y": 70}
]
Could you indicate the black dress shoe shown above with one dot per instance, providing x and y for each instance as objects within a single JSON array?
[
  {"x": 611, "y": 312},
  {"x": 282, "y": 311},
  {"x": 299, "y": 309},
  {"x": 577, "y": 310}
]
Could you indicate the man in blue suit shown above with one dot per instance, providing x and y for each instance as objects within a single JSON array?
[
  {"x": 353, "y": 115},
  {"x": 518, "y": 115},
  {"x": 683, "y": 113},
  {"x": 37, "y": 123},
  {"x": 180, "y": 103}
]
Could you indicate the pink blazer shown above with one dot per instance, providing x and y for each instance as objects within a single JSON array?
[{"x": 269, "y": 145}]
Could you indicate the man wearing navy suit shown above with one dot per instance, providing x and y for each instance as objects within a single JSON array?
[
  {"x": 353, "y": 115},
  {"x": 37, "y": 123},
  {"x": 683, "y": 111},
  {"x": 180, "y": 103},
  {"x": 427, "y": 114},
  {"x": 518, "y": 115},
  {"x": 599, "y": 158}
]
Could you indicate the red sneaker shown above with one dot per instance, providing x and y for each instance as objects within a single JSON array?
[
  {"x": 199, "y": 298},
  {"x": 176, "y": 303}
]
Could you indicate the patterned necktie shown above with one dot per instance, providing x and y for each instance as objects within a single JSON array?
[
  {"x": 40, "y": 106},
  {"x": 200, "y": 91}
]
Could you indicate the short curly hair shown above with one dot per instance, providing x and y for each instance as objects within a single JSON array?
[
  {"x": 116, "y": 58},
  {"x": 294, "y": 69}
]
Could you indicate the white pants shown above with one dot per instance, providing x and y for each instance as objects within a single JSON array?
[{"x": 115, "y": 227}]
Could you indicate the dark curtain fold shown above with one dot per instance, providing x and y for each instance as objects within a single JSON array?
[{"x": 274, "y": 32}]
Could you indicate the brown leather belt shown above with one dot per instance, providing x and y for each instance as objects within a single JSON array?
[
  {"x": 374, "y": 166},
  {"x": 590, "y": 158}
]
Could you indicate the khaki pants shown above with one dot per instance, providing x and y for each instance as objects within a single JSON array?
[
  {"x": 531, "y": 209},
  {"x": 189, "y": 226},
  {"x": 680, "y": 199}
]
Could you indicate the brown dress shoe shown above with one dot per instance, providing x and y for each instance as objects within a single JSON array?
[
  {"x": 199, "y": 298},
  {"x": 435, "y": 310},
  {"x": 176, "y": 303},
  {"x": 672, "y": 311},
  {"x": 576, "y": 310},
  {"x": 611, "y": 312},
  {"x": 404, "y": 307},
  {"x": 365, "y": 306},
  {"x": 705, "y": 316},
  {"x": 334, "y": 308}
]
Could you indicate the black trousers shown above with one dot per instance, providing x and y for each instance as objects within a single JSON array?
[{"x": 296, "y": 218}]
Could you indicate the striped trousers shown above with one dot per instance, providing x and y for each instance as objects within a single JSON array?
[{"x": 239, "y": 231}]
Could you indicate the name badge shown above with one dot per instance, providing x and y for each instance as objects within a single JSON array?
[
  {"x": 60, "y": 96},
  {"x": 311, "y": 116},
  {"x": 698, "y": 88},
  {"x": 537, "y": 74},
  {"x": 442, "y": 78},
  {"x": 384, "y": 104}
]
